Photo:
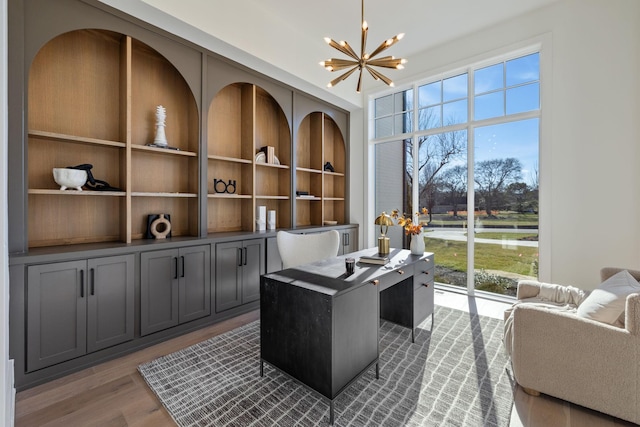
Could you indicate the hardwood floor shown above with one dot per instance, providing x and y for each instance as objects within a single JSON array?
[{"x": 114, "y": 394}]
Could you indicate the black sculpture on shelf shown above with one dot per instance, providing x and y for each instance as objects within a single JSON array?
[
  {"x": 219, "y": 186},
  {"x": 329, "y": 167}
]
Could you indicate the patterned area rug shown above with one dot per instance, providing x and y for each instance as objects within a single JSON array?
[{"x": 456, "y": 374}]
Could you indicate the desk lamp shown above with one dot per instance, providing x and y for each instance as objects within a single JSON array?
[{"x": 384, "y": 221}]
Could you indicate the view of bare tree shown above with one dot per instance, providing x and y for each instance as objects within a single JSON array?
[
  {"x": 453, "y": 184},
  {"x": 492, "y": 177}
]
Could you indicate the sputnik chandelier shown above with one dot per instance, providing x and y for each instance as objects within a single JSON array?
[{"x": 365, "y": 60}]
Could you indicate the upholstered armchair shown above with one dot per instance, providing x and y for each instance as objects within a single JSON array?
[{"x": 558, "y": 348}]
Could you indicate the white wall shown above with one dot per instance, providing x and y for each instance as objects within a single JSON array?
[
  {"x": 590, "y": 129},
  {"x": 7, "y": 392}
]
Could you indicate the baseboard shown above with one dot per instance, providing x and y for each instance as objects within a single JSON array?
[{"x": 10, "y": 393}]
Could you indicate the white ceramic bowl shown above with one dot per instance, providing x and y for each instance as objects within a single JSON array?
[{"x": 70, "y": 178}]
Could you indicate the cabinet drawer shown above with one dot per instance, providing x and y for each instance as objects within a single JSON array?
[
  {"x": 423, "y": 276},
  {"x": 426, "y": 263},
  {"x": 422, "y": 303},
  {"x": 394, "y": 277}
]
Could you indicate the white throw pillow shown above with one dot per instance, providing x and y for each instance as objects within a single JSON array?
[{"x": 607, "y": 302}]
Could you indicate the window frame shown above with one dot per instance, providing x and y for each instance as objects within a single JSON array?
[{"x": 470, "y": 125}]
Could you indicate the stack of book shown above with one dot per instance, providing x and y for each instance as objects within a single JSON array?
[
  {"x": 269, "y": 153},
  {"x": 304, "y": 195},
  {"x": 374, "y": 259}
]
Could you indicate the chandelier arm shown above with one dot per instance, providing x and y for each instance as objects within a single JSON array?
[
  {"x": 386, "y": 63},
  {"x": 376, "y": 75},
  {"x": 342, "y": 77},
  {"x": 342, "y": 49},
  {"x": 352, "y": 53},
  {"x": 359, "y": 81},
  {"x": 335, "y": 64},
  {"x": 384, "y": 45},
  {"x": 363, "y": 42}
]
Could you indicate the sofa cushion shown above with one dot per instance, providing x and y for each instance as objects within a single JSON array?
[{"x": 607, "y": 302}]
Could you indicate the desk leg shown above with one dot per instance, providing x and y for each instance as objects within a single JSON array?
[
  {"x": 261, "y": 367},
  {"x": 377, "y": 370},
  {"x": 413, "y": 335},
  {"x": 331, "y": 413}
]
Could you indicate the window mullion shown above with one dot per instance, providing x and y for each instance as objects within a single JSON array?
[
  {"x": 504, "y": 88},
  {"x": 470, "y": 185}
]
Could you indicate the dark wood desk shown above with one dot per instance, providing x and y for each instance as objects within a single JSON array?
[{"x": 320, "y": 326}]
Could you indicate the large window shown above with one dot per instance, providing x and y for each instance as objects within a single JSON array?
[{"x": 466, "y": 148}]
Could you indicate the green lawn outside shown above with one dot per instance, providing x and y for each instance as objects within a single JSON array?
[
  {"x": 511, "y": 236},
  {"x": 488, "y": 256}
]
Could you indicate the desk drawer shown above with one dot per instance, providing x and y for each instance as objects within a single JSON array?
[
  {"x": 425, "y": 263},
  {"x": 423, "y": 276},
  {"x": 394, "y": 277},
  {"x": 422, "y": 303}
]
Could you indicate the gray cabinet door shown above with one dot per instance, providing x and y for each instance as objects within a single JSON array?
[
  {"x": 195, "y": 282},
  {"x": 253, "y": 266},
  {"x": 56, "y": 313},
  {"x": 158, "y": 290},
  {"x": 229, "y": 259},
  {"x": 110, "y": 301}
]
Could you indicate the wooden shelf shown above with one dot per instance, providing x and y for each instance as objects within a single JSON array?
[
  {"x": 229, "y": 196},
  {"x": 320, "y": 141},
  {"x": 76, "y": 192},
  {"x": 166, "y": 151},
  {"x": 72, "y": 138},
  {"x": 105, "y": 118},
  {"x": 228, "y": 159},
  {"x": 308, "y": 170},
  {"x": 147, "y": 194},
  {"x": 242, "y": 119},
  {"x": 273, "y": 197},
  {"x": 271, "y": 165}
]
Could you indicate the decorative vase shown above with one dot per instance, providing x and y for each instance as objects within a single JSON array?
[
  {"x": 271, "y": 220},
  {"x": 417, "y": 244},
  {"x": 261, "y": 218}
]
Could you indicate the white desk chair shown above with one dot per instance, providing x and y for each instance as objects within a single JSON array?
[{"x": 296, "y": 249}]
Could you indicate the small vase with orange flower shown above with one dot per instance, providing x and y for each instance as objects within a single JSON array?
[{"x": 413, "y": 229}]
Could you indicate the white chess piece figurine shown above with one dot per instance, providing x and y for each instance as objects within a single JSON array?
[{"x": 161, "y": 138}]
